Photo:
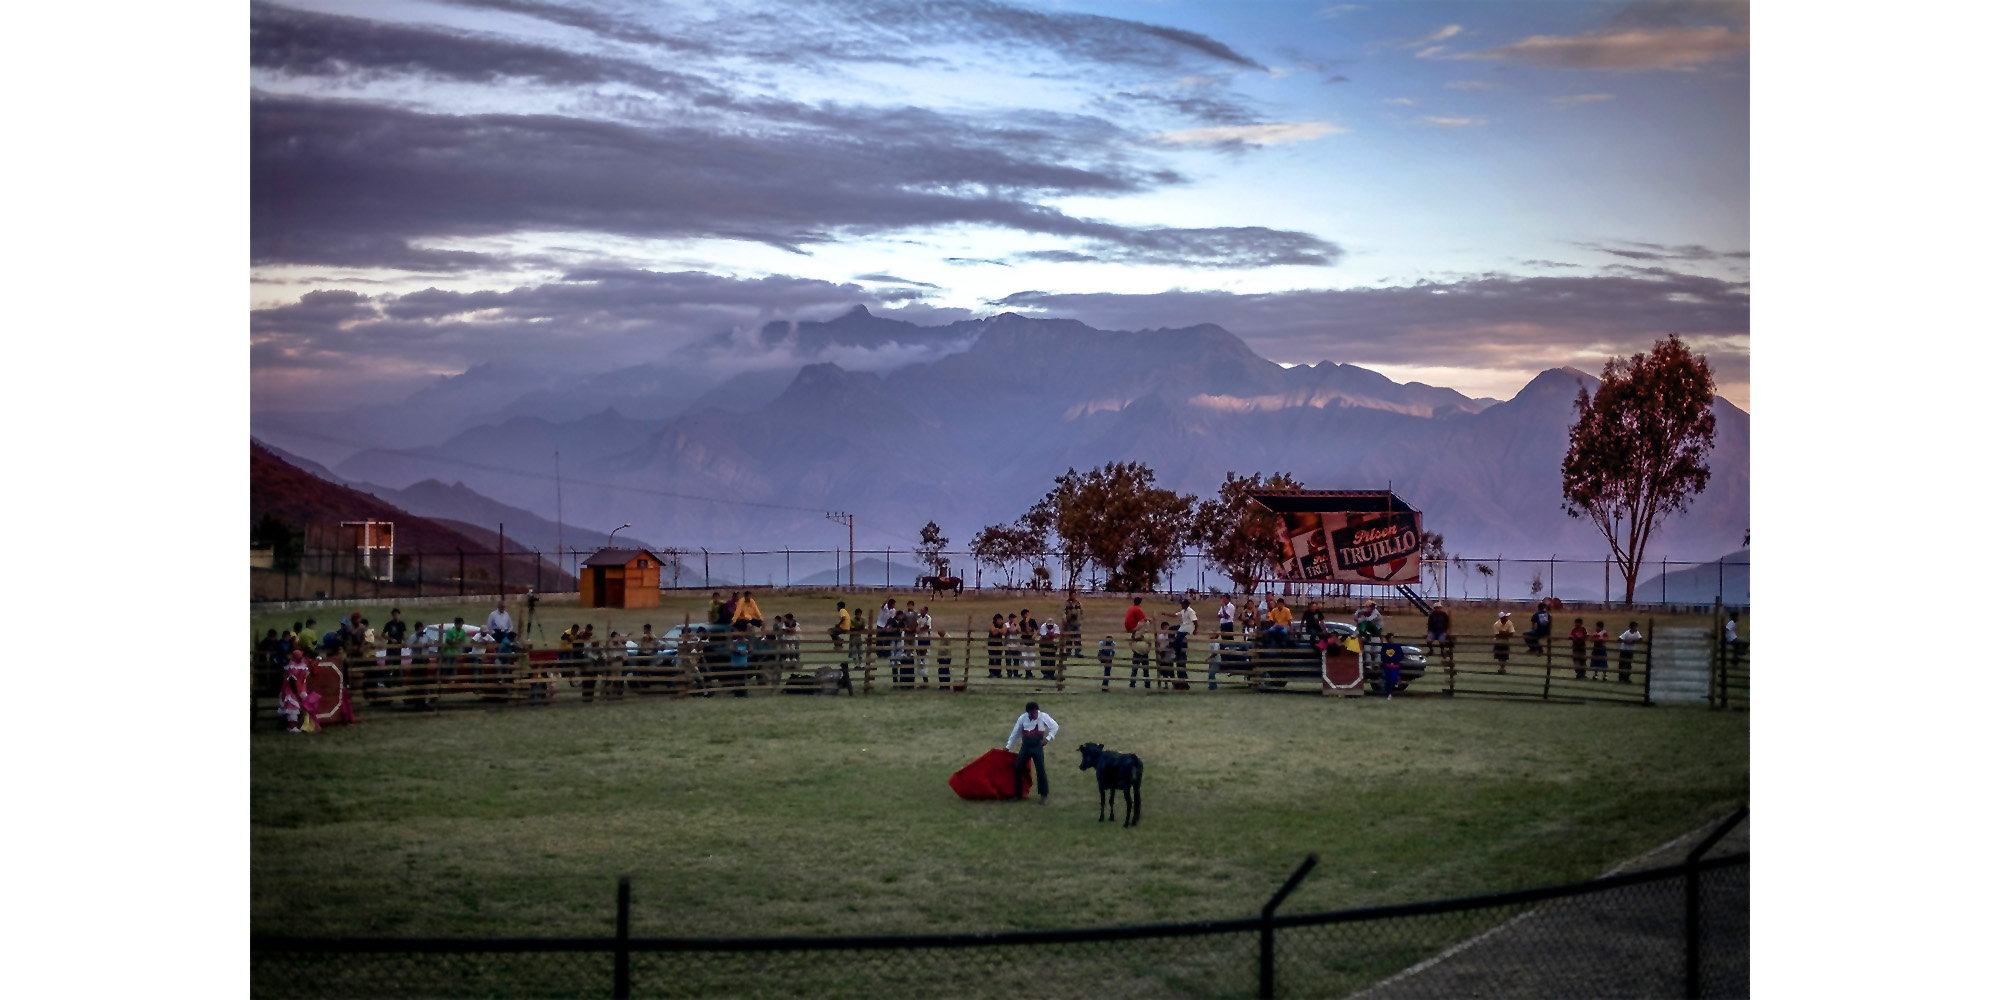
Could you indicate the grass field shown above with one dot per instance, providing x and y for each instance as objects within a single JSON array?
[{"x": 781, "y": 815}]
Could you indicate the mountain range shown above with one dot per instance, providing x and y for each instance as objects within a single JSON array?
[{"x": 748, "y": 440}]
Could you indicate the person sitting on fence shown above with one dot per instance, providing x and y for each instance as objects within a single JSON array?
[
  {"x": 1437, "y": 627},
  {"x": 419, "y": 661},
  {"x": 1281, "y": 623},
  {"x": 1503, "y": 637},
  {"x": 1578, "y": 635},
  {"x": 1368, "y": 620},
  {"x": 1539, "y": 627},
  {"x": 715, "y": 608},
  {"x": 1628, "y": 644},
  {"x": 1313, "y": 623},
  {"x": 499, "y": 624},
  {"x": 748, "y": 611}
]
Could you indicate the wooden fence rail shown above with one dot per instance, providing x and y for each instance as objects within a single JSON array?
[{"x": 743, "y": 665}]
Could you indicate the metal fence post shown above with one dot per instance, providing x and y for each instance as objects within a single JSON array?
[
  {"x": 1691, "y": 962},
  {"x": 621, "y": 955},
  {"x": 1267, "y": 970}
]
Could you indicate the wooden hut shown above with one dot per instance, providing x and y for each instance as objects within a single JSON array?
[{"x": 620, "y": 578}]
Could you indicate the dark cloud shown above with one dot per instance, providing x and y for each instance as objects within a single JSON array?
[
  {"x": 1058, "y": 256},
  {"x": 356, "y": 184},
  {"x": 385, "y": 346},
  {"x": 963, "y": 261},
  {"x": 593, "y": 21},
  {"x": 304, "y": 43},
  {"x": 837, "y": 31},
  {"x": 1210, "y": 108},
  {"x": 1547, "y": 263},
  {"x": 893, "y": 280},
  {"x": 1492, "y": 321},
  {"x": 1634, "y": 250}
]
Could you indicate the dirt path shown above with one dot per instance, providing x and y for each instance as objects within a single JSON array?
[{"x": 1622, "y": 943}]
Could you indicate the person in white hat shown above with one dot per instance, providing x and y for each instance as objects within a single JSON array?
[{"x": 1503, "y": 635}]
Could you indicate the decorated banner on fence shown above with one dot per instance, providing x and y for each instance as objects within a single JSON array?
[{"x": 1330, "y": 536}]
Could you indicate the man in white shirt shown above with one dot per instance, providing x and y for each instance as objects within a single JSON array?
[
  {"x": 1034, "y": 729},
  {"x": 1628, "y": 643},
  {"x": 1225, "y": 619},
  {"x": 1189, "y": 626},
  {"x": 499, "y": 623}
]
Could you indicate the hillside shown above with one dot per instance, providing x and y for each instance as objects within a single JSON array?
[{"x": 298, "y": 498}]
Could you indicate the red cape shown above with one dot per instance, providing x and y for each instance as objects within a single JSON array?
[{"x": 990, "y": 777}]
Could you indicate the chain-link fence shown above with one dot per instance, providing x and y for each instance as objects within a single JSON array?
[{"x": 1641, "y": 934}]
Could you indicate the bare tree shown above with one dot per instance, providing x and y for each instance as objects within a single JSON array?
[{"x": 1431, "y": 550}]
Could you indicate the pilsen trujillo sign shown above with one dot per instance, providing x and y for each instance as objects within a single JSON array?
[{"x": 1346, "y": 536}]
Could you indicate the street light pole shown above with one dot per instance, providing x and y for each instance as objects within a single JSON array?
[{"x": 614, "y": 534}]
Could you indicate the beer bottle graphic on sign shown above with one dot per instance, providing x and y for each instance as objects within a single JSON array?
[
  {"x": 1301, "y": 527},
  {"x": 1317, "y": 564}
]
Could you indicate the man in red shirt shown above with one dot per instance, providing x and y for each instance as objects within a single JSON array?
[{"x": 1136, "y": 619}]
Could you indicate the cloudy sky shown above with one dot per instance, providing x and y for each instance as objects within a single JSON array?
[{"x": 1463, "y": 194}]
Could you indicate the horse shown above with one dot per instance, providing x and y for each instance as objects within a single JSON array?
[
  {"x": 1115, "y": 771},
  {"x": 940, "y": 584}
]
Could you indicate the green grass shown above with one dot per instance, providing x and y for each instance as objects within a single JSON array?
[{"x": 789, "y": 815}]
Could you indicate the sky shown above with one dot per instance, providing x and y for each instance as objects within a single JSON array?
[{"x": 1459, "y": 194}]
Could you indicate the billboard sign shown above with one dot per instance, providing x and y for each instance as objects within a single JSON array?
[{"x": 1346, "y": 546}]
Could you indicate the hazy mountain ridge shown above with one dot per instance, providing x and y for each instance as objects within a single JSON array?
[{"x": 974, "y": 437}]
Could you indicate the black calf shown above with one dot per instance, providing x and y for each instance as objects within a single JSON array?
[{"x": 1115, "y": 771}]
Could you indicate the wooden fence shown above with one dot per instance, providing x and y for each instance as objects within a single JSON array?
[{"x": 864, "y": 663}]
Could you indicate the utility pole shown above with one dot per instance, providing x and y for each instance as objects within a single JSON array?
[
  {"x": 559, "y": 537},
  {"x": 848, "y": 519}
]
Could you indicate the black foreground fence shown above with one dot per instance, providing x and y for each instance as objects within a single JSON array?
[{"x": 1676, "y": 930}]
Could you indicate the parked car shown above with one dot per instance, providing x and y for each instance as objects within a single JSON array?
[{"x": 1298, "y": 659}]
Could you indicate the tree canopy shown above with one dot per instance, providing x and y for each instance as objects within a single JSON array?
[
  {"x": 1238, "y": 534},
  {"x": 1638, "y": 450}
]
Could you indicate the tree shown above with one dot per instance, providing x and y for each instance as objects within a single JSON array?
[
  {"x": 1485, "y": 571},
  {"x": 1638, "y": 449},
  {"x": 1115, "y": 517},
  {"x": 1001, "y": 547},
  {"x": 930, "y": 548},
  {"x": 1535, "y": 584},
  {"x": 287, "y": 546},
  {"x": 1431, "y": 550},
  {"x": 1238, "y": 534}
]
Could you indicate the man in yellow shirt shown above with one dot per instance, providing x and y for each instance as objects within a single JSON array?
[
  {"x": 747, "y": 611},
  {"x": 1281, "y": 621}
]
